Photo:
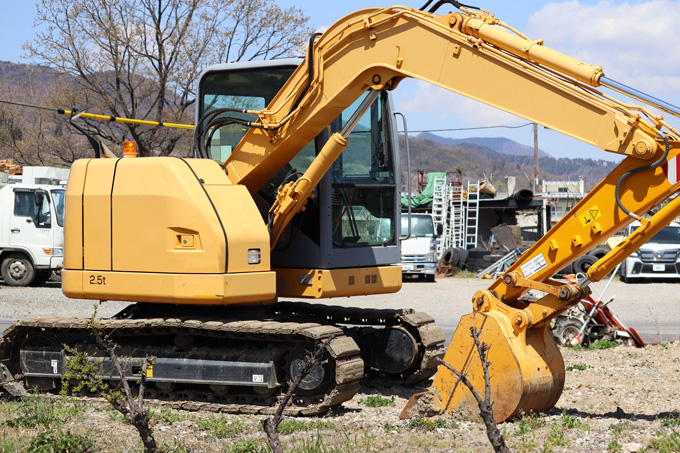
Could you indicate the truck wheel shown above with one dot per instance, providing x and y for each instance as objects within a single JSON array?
[
  {"x": 17, "y": 270},
  {"x": 41, "y": 277},
  {"x": 429, "y": 278}
]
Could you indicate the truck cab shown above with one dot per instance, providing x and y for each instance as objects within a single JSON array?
[
  {"x": 31, "y": 233},
  {"x": 419, "y": 251}
]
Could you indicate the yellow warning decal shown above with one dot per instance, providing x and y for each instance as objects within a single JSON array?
[{"x": 590, "y": 215}]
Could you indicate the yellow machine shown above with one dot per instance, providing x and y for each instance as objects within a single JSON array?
[{"x": 293, "y": 193}]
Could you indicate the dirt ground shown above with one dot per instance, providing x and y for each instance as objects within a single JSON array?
[{"x": 620, "y": 399}]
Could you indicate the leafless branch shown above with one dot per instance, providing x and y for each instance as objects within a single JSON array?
[
  {"x": 270, "y": 424},
  {"x": 485, "y": 405}
]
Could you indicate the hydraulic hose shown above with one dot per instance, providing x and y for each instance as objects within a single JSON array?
[{"x": 637, "y": 170}]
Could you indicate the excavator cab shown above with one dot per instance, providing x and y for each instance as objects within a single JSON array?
[{"x": 346, "y": 241}]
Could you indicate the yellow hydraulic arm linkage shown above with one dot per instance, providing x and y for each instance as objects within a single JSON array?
[{"x": 472, "y": 53}]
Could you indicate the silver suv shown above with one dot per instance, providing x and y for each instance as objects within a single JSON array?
[{"x": 657, "y": 259}]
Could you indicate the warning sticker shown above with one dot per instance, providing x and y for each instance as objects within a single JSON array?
[
  {"x": 590, "y": 215},
  {"x": 533, "y": 266}
]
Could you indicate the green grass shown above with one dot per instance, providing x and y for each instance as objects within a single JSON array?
[
  {"x": 671, "y": 422},
  {"x": 529, "y": 422},
  {"x": 59, "y": 441},
  {"x": 36, "y": 410},
  {"x": 570, "y": 422},
  {"x": 603, "y": 344},
  {"x": 377, "y": 401},
  {"x": 317, "y": 444},
  {"x": 428, "y": 424},
  {"x": 578, "y": 367},
  {"x": 614, "y": 446},
  {"x": 289, "y": 426},
  {"x": 666, "y": 443},
  {"x": 221, "y": 427},
  {"x": 7, "y": 446},
  {"x": 250, "y": 446},
  {"x": 166, "y": 416},
  {"x": 557, "y": 436}
]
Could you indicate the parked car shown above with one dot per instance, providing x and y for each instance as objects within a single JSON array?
[{"x": 659, "y": 258}]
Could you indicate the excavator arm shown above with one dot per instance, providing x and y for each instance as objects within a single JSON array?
[{"x": 475, "y": 55}]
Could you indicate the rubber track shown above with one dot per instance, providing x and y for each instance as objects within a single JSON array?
[
  {"x": 431, "y": 336},
  {"x": 349, "y": 365}
]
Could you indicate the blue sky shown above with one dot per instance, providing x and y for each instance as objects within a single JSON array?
[{"x": 636, "y": 42}]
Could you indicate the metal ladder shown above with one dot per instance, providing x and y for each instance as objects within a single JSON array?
[
  {"x": 439, "y": 208},
  {"x": 472, "y": 215},
  {"x": 457, "y": 217}
]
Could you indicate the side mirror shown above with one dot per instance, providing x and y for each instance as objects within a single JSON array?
[
  {"x": 39, "y": 197},
  {"x": 440, "y": 229}
]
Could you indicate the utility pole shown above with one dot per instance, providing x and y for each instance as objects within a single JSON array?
[{"x": 535, "y": 157}]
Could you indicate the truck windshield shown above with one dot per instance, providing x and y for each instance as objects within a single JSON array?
[
  {"x": 668, "y": 235},
  {"x": 421, "y": 226},
  {"x": 58, "y": 202}
]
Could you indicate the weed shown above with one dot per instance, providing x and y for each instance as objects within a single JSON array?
[
  {"x": 614, "y": 446},
  {"x": 566, "y": 388},
  {"x": 569, "y": 421},
  {"x": 557, "y": 436},
  {"x": 389, "y": 428},
  {"x": 57, "y": 441},
  {"x": 250, "y": 446},
  {"x": 427, "y": 424},
  {"x": 616, "y": 429},
  {"x": 377, "y": 401},
  {"x": 317, "y": 445},
  {"x": 36, "y": 411},
  {"x": 8, "y": 447},
  {"x": 116, "y": 416},
  {"x": 578, "y": 367},
  {"x": 221, "y": 427},
  {"x": 576, "y": 347},
  {"x": 603, "y": 344},
  {"x": 174, "y": 446},
  {"x": 289, "y": 426},
  {"x": 167, "y": 416},
  {"x": 666, "y": 443},
  {"x": 526, "y": 443},
  {"x": 671, "y": 421},
  {"x": 527, "y": 423}
]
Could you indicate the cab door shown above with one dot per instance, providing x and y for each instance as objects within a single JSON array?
[{"x": 30, "y": 225}]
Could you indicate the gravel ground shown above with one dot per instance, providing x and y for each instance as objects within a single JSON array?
[{"x": 620, "y": 399}]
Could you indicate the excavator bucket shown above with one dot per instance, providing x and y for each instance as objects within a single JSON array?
[{"x": 526, "y": 371}]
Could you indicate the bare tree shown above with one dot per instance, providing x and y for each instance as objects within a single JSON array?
[
  {"x": 140, "y": 58},
  {"x": 270, "y": 424},
  {"x": 38, "y": 136},
  {"x": 485, "y": 404}
]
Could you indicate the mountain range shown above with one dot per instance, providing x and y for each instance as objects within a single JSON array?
[
  {"x": 499, "y": 144},
  {"x": 495, "y": 159}
]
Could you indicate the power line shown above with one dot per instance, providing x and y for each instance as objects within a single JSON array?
[{"x": 474, "y": 128}]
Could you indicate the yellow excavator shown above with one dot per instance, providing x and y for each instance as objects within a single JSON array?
[{"x": 293, "y": 192}]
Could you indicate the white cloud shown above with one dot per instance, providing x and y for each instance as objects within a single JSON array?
[{"x": 635, "y": 43}]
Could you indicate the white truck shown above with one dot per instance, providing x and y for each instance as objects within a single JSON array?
[
  {"x": 31, "y": 233},
  {"x": 419, "y": 251}
]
